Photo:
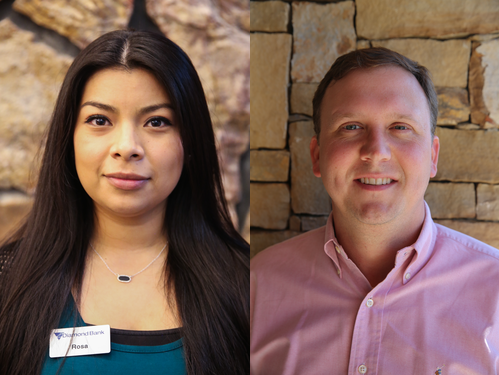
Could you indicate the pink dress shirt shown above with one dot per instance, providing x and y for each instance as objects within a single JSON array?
[{"x": 314, "y": 312}]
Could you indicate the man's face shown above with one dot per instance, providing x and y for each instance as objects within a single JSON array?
[{"x": 375, "y": 153}]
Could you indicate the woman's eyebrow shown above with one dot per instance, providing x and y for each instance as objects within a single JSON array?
[
  {"x": 142, "y": 111},
  {"x": 154, "y": 107},
  {"x": 105, "y": 107}
]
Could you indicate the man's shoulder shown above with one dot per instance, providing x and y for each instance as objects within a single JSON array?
[
  {"x": 296, "y": 250},
  {"x": 450, "y": 238}
]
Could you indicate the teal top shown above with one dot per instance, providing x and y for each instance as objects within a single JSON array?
[{"x": 122, "y": 360}]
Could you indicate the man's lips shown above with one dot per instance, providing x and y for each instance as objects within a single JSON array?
[
  {"x": 126, "y": 181},
  {"x": 376, "y": 183},
  {"x": 375, "y": 180}
]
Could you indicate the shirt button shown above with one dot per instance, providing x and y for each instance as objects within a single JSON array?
[
  {"x": 362, "y": 369},
  {"x": 407, "y": 276},
  {"x": 337, "y": 249},
  {"x": 338, "y": 270},
  {"x": 370, "y": 302}
]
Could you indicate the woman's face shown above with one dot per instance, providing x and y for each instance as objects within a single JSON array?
[{"x": 128, "y": 151}]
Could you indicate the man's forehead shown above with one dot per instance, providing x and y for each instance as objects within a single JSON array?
[{"x": 384, "y": 81}]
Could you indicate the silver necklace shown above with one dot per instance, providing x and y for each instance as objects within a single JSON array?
[{"x": 127, "y": 278}]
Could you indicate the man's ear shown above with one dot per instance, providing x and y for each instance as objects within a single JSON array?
[
  {"x": 314, "y": 154},
  {"x": 435, "y": 147}
]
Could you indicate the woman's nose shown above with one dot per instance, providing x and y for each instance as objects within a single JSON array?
[{"x": 126, "y": 143}]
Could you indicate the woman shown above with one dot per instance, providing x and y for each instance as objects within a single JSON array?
[{"x": 129, "y": 226}]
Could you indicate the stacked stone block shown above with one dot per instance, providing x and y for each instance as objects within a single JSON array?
[{"x": 293, "y": 44}]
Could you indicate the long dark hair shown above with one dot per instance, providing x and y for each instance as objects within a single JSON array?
[{"x": 208, "y": 261}]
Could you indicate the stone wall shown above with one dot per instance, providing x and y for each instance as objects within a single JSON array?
[
  {"x": 293, "y": 44},
  {"x": 39, "y": 39}
]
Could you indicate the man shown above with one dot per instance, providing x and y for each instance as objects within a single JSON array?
[{"x": 381, "y": 289}]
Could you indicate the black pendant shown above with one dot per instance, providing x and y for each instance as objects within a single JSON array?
[{"x": 124, "y": 278}]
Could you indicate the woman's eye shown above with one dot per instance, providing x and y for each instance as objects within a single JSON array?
[
  {"x": 352, "y": 127},
  {"x": 97, "y": 120},
  {"x": 158, "y": 122}
]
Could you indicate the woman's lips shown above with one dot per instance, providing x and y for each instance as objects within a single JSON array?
[{"x": 126, "y": 181}]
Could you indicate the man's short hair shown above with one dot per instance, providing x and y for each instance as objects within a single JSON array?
[{"x": 371, "y": 58}]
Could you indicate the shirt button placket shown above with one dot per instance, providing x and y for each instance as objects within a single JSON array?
[{"x": 362, "y": 369}]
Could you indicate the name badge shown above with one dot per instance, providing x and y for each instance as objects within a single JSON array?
[{"x": 72, "y": 342}]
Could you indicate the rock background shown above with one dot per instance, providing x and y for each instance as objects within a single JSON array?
[
  {"x": 38, "y": 41},
  {"x": 293, "y": 44}
]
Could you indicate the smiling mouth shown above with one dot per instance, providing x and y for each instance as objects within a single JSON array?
[{"x": 375, "y": 181}]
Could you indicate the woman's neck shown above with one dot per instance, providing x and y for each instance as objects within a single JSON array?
[{"x": 129, "y": 234}]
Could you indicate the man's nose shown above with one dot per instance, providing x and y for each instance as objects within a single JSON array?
[
  {"x": 126, "y": 143},
  {"x": 376, "y": 146}
]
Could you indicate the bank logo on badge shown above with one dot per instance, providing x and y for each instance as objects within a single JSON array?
[{"x": 58, "y": 335}]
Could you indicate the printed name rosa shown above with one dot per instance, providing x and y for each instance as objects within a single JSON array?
[{"x": 74, "y": 346}]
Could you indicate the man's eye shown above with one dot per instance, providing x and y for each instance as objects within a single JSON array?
[
  {"x": 352, "y": 127},
  {"x": 400, "y": 127},
  {"x": 97, "y": 120},
  {"x": 158, "y": 122}
]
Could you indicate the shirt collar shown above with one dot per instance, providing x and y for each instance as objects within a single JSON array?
[
  {"x": 331, "y": 244},
  {"x": 423, "y": 246}
]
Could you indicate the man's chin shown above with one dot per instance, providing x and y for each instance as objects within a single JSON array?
[{"x": 376, "y": 213}]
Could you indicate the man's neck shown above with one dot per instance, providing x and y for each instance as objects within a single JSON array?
[{"x": 373, "y": 248}]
